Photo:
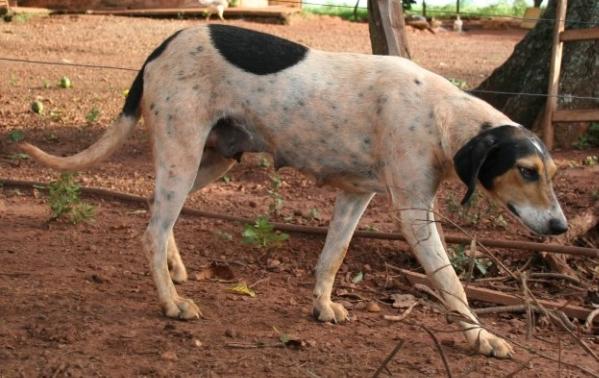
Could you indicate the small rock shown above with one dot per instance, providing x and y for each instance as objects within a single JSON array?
[
  {"x": 373, "y": 307},
  {"x": 197, "y": 343},
  {"x": 169, "y": 356},
  {"x": 252, "y": 204},
  {"x": 230, "y": 333}
]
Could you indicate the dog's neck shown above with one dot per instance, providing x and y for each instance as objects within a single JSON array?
[{"x": 459, "y": 120}]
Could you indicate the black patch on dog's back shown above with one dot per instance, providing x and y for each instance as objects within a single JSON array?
[
  {"x": 131, "y": 107},
  {"x": 255, "y": 52}
]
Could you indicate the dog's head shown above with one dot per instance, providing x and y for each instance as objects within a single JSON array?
[{"x": 515, "y": 168}]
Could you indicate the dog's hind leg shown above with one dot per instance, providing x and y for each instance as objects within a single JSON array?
[
  {"x": 178, "y": 146},
  {"x": 213, "y": 166},
  {"x": 349, "y": 207},
  {"x": 418, "y": 227}
]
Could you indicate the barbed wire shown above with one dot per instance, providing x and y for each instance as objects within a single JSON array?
[
  {"x": 97, "y": 66},
  {"x": 17, "y": 60}
]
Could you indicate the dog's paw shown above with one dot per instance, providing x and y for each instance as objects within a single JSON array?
[
  {"x": 490, "y": 345},
  {"x": 182, "y": 308},
  {"x": 330, "y": 312}
]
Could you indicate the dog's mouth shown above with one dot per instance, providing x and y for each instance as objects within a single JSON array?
[{"x": 540, "y": 222}]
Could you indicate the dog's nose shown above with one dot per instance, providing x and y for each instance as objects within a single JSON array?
[{"x": 557, "y": 226}]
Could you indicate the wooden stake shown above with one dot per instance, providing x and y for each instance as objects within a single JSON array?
[{"x": 554, "y": 72}]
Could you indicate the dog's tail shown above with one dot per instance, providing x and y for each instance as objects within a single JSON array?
[{"x": 113, "y": 137}]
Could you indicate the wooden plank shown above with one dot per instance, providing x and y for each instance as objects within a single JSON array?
[
  {"x": 554, "y": 73},
  {"x": 579, "y": 34},
  {"x": 576, "y": 115},
  {"x": 493, "y": 296}
]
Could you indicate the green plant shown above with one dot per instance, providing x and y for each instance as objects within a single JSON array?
[
  {"x": 461, "y": 262},
  {"x": 276, "y": 203},
  {"x": 262, "y": 234},
  {"x": 589, "y": 139},
  {"x": 19, "y": 156},
  {"x": 63, "y": 196},
  {"x": 462, "y": 84},
  {"x": 469, "y": 213},
  {"x": 16, "y": 136},
  {"x": 93, "y": 115}
]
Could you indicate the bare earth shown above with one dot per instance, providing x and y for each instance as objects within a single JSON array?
[{"x": 79, "y": 301}]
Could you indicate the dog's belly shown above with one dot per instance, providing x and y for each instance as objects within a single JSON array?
[{"x": 346, "y": 160}]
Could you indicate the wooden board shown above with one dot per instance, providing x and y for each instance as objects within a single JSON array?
[
  {"x": 576, "y": 115},
  {"x": 579, "y": 35}
]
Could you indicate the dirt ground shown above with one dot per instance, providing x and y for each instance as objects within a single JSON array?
[{"x": 77, "y": 300}]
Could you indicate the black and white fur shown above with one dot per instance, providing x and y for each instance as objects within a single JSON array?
[{"x": 360, "y": 123}]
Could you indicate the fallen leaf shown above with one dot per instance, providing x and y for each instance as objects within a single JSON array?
[
  {"x": 358, "y": 278},
  {"x": 243, "y": 289},
  {"x": 402, "y": 300}
]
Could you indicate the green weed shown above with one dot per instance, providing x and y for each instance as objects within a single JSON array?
[
  {"x": 461, "y": 262},
  {"x": 262, "y": 234},
  {"x": 16, "y": 136},
  {"x": 276, "y": 203},
  {"x": 63, "y": 196},
  {"x": 93, "y": 115}
]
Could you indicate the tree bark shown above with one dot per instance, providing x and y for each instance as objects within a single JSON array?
[
  {"x": 527, "y": 69},
  {"x": 387, "y": 28}
]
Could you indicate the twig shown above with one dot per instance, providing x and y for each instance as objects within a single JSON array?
[
  {"x": 238, "y": 345},
  {"x": 561, "y": 323},
  {"x": 500, "y": 309},
  {"x": 588, "y": 324},
  {"x": 555, "y": 275},
  {"x": 455, "y": 239},
  {"x": 440, "y": 349},
  {"x": 402, "y": 316},
  {"x": 261, "y": 280},
  {"x": 525, "y": 365},
  {"x": 388, "y": 358}
]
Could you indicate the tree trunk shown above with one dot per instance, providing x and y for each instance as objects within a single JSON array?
[
  {"x": 527, "y": 69},
  {"x": 387, "y": 28}
]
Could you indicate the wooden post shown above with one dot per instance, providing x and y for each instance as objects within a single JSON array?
[
  {"x": 554, "y": 72},
  {"x": 387, "y": 28}
]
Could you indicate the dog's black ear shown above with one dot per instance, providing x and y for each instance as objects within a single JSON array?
[{"x": 470, "y": 158}]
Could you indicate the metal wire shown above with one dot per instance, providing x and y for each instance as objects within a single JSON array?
[
  {"x": 97, "y": 66},
  {"x": 17, "y": 60}
]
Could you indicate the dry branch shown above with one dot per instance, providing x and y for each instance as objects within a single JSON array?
[
  {"x": 493, "y": 296},
  {"x": 577, "y": 227},
  {"x": 455, "y": 239}
]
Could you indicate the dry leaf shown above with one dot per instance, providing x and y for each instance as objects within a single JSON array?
[
  {"x": 243, "y": 289},
  {"x": 402, "y": 300}
]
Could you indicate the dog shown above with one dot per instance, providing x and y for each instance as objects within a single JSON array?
[
  {"x": 215, "y": 6},
  {"x": 363, "y": 124}
]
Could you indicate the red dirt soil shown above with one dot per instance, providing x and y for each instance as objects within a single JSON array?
[{"x": 77, "y": 300}]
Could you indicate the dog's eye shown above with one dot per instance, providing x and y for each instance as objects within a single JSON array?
[{"x": 529, "y": 174}]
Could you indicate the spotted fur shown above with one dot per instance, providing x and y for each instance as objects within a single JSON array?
[{"x": 360, "y": 123}]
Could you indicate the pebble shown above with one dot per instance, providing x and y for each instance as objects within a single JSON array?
[
  {"x": 169, "y": 356},
  {"x": 373, "y": 307}
]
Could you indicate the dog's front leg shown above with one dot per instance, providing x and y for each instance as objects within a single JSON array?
[
  {"x": 417, "y": 225},
  {"x": 349, "y": 207}
]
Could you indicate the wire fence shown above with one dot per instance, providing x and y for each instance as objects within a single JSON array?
[
  {"x": 568, "y": 21},
  {"x": 567, "y": 97}
]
